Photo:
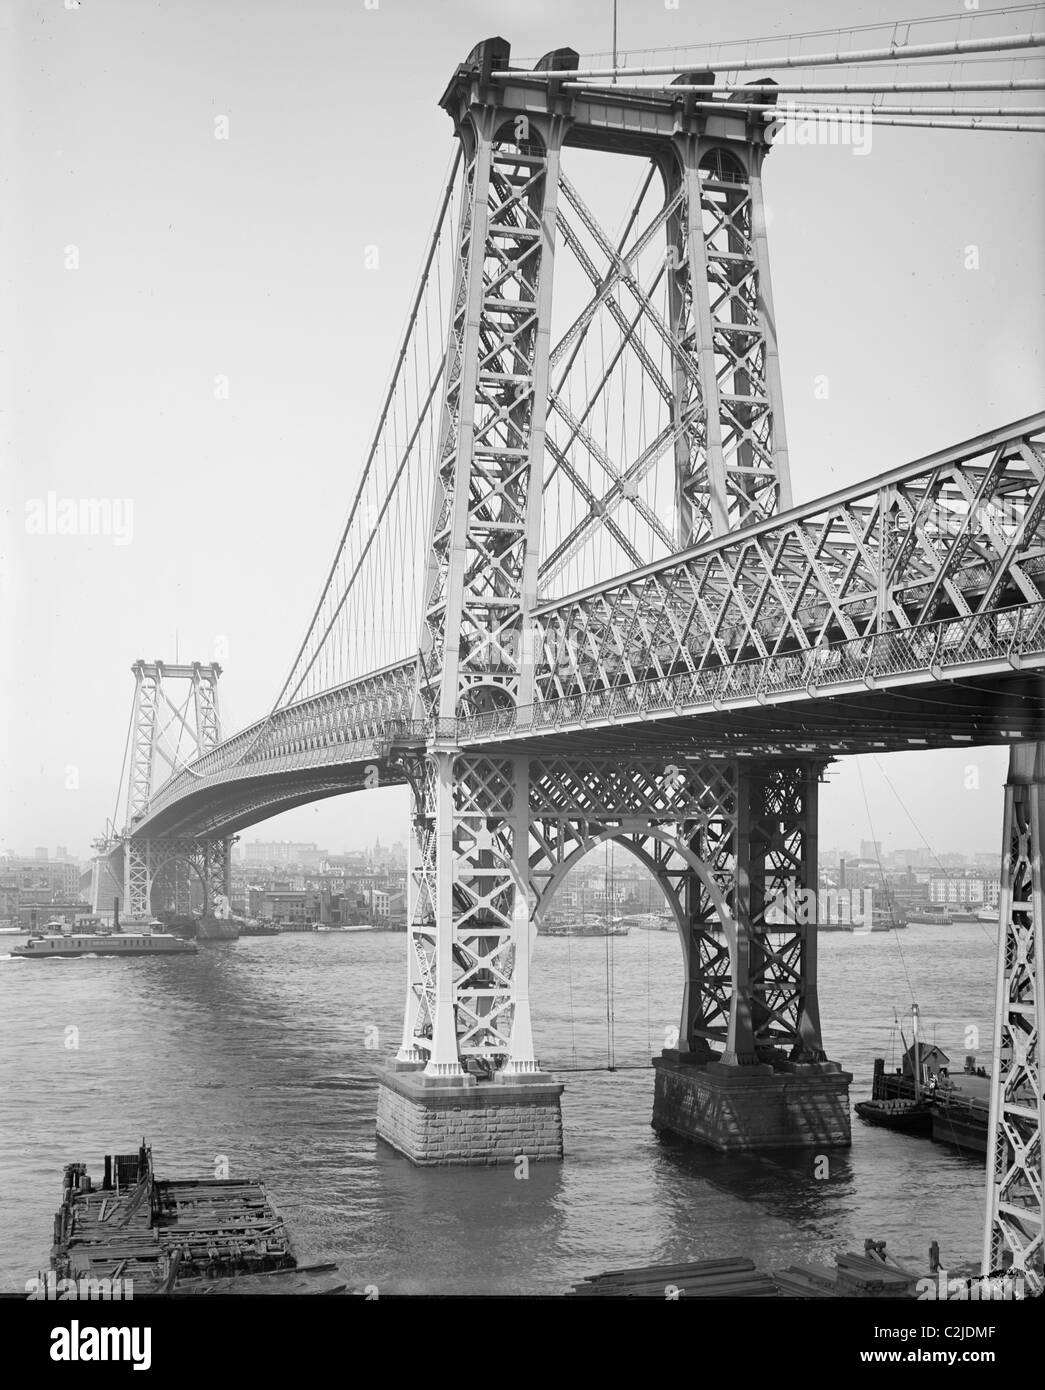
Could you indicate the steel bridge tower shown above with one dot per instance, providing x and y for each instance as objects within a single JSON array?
[
  {"x": 1015, "y": 1169},
  {"x": 494, "y": 834},
  {"x": 175, "y": 719}
]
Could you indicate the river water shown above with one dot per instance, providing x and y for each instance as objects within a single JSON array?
[{"x": 262, "y": 1052}]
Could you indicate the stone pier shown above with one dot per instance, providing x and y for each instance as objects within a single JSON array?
[
  {"x": 462, "y": 1120},
  {"x": 789, "y": 1105}
]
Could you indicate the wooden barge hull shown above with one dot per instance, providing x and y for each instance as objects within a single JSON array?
[
  {"x": 961, "y": 1127},
  {"x": 176, "y": 1236}
]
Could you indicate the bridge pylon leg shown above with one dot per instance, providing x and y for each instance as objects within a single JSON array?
[
  {"x": 137, "y": 879},
  {"x": 1013, "y": 1236},
  {"x": 751, "y": 978},
  {"x": 216, "y": 860},
  {"x": 465, "y": 1086}
]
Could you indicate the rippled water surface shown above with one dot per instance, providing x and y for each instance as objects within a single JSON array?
[{"x": 258, "y": 1050}]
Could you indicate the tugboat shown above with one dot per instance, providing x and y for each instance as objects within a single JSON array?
[
  {"x": 911, "y": 1115},
  {"x": 56, "y": 939}
]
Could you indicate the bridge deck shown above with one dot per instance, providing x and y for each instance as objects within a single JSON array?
[{"x": 904, "y": 612}]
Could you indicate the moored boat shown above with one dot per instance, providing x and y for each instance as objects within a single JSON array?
[
  {"x": 909, "y": 1116},
  {"x": 252, "y": 928},
  {"x": 928, "y": 916}
]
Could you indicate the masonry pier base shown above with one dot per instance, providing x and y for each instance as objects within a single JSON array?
[
  {"x": 736, "y": 1109},
  {"x": 459, "y": 1121}
]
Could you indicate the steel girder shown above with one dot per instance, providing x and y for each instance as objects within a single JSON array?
[
  {"x": 725, "y": 842},
  {"x": 1013, "y": 1238}
]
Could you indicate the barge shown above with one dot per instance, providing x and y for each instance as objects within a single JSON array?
[
  {"x": 178, "y": 1236},
  {"x": 959, "y": 1107}
]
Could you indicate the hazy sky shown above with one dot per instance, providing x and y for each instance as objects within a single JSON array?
[{"x": 145, "y": 258}]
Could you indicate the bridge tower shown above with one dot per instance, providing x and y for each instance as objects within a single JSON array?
[
  {"x": 1013, "y": 1239},
  {"x": 175, "y": 719},
  {"x": 495, "y": 832}
]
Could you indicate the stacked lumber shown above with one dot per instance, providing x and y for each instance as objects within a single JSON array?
[
  {"x": 733, "y": 1278},
  {"x": 855, "y": 1276},
  {"x": 863, "y": 1276},
  {"x": 807, "y": 1281}
]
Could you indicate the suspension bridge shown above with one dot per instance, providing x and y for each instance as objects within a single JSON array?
[{"x": 574, "y": 602}]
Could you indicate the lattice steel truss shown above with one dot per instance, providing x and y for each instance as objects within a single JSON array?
[
  {"x": 177, "y": 735},
  {"x": 467, "y": 995},
  {"x": 165, "y": 732},
  {"x": 1013, "y": 1238},
  {"x": 486, "y": 509},
  {"x": 937, "y": 565},
  {"x": 723, "y": 840},
  {"x": 733, "y": 467},
  {"x": 349, "y": 724},
  {"x": 146, "y": 858},
  {"x": 949, "y": 538},
  {"x": 721, "y": 393}
]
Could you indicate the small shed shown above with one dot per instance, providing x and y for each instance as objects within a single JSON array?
[{"x": 934, "y": 1061}]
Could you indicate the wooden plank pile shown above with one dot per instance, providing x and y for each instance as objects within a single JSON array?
[
  {"x": 870, "y": 1275},
  {"x": 807, "y": 1281},
  {"x": 733, "y": 1278},
  {"x": 864, "y": 1276}
]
